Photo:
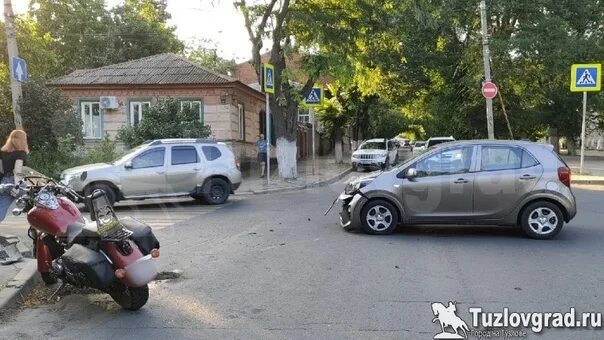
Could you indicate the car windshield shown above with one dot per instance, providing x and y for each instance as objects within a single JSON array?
[
  {"x": 373, "y": 145},
  {"x": 129, "y": 154},
  {"x": 420, "y": 143}
]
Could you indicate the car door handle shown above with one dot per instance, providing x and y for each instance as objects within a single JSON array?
[
  {"x": 196, "y": 169},
  {"x": 527, "y": 176},
  {"x": 160, "y": 172},
  {"x": 461, "y": 181}
]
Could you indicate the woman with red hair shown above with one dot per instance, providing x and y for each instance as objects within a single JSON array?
[{"x": 13, "y": 155}]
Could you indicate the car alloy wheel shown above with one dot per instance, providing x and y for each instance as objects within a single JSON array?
[
  {"x": 379, "y": 218},
  {"x": 542, "y": 220}
]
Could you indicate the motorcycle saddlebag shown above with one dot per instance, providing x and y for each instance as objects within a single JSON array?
[
  {"x": 142, "y": 234},
  {"x": 88, "y": 267}
]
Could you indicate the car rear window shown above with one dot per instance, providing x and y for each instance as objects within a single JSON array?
[
  {"x": 184, "y": 155},
  {"x": 211, "y": 152}
]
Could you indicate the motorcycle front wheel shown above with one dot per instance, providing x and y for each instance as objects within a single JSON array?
[{"x": 130, "y": 298}]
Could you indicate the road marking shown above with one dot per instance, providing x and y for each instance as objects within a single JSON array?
[{"x": 158, "y": 218}]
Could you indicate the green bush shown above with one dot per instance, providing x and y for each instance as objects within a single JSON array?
[
  {"x": 103, "y": 153},
  {"x": 165, "y": 119},
  {"x": 50, "y": 161},
  {"x": 47, "y": 117}
]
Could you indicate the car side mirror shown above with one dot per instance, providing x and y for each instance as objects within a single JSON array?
[
  {"x": 128, "y": 165},
  {"x": 411, "y": 173}
]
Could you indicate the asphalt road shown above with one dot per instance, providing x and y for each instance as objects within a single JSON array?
[{"x": 272, "y": 267}]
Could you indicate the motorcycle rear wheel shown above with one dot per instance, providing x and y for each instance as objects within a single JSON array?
[
  {"x": 130, "y": 298},
  {"x": 49, "y": 278}
]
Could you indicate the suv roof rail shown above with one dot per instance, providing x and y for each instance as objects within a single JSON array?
[{"x": 183, "y": 140}]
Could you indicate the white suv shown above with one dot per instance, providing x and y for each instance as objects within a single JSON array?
[
  {"x": 200, "y": 168},
  {"x": 437, "y": 140},
  {"x": 376, "y": 153}
]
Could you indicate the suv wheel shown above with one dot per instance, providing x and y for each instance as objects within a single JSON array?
[
  {"x": 379, "y": 217},
  {"x": 541, "y": 220},
  {"x": 216, "y": 191}
]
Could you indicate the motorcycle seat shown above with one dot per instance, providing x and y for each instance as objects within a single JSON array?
[{"x": 79, "y": 231}]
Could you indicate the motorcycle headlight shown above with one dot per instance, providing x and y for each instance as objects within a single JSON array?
[{"x": 20, "y": 204}]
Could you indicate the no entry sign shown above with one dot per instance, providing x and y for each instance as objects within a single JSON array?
[{"x": 489, "y": 90}]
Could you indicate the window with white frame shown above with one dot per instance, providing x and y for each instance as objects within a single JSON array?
[
  {"x": 91, "y": 118},
  {"x": 195, "y": 105},
  {"x": 241, "y": 120},
  {"x": 303, "y": 115},
  {"x": 137, "y": 110}
]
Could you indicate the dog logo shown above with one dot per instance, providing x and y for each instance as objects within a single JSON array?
[{"x": 447, "y": 318}]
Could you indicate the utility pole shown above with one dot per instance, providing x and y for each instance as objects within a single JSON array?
[
  {"x": 13, "y": 51},
  {"x": 486, "y": 55}
]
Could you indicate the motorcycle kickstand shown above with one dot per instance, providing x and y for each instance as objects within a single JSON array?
[{"x": 63, "y": 284}]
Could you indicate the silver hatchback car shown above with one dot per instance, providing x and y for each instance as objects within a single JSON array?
[
  {"x": 202, "y": 169},
  {"x": 468, "y": 182}
]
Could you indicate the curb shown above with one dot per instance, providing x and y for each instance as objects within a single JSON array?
[
  {"x": 588, "y": 181},
  {"x": 20, "y": 285},
  {"x": 300, "y": 187}
]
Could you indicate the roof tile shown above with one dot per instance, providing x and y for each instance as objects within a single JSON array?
[{"x": 166, "y": 68}]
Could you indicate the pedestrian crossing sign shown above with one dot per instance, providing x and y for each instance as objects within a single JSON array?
[
  {"x": 585, "y": 77},
  {"x": 268, "y": 78},
  {"x": 315, "y": 97}
]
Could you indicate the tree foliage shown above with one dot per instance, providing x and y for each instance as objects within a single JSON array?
[
  {"x": 84, "y": 34},
  {"x": 203, "y": 53},
  {"x": 425, "y": 57},
  {"x": 165, "y": 119}
]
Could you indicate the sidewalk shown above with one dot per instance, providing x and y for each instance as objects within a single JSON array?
[{"x": 326, "y": 170}]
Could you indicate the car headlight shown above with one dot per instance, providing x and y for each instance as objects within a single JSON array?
[
  {"x": 353, "y": 187},
  {"x": 350, "y": 188}
]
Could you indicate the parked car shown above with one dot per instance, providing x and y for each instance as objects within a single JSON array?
[
  {"x": 419, "y": 147},
  {"x": 200, "y": 168},
  {"x": 471, "y": 182},
  {"x": 378, "y": 153},
  {"x": 432, "y": 141}
]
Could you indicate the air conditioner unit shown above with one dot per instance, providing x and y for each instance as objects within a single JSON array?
[{"x": 109, "y": 102}]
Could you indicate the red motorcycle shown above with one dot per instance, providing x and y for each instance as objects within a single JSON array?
[{"x": 110, "y": 254}]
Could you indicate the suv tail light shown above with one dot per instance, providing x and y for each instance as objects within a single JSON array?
[{"x": 564, "y": 175}]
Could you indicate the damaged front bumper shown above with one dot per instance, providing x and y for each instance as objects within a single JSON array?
[{"x": 351, "y": 212}]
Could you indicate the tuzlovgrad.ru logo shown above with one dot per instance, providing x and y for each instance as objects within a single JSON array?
[{"x": 507, "y": 323}]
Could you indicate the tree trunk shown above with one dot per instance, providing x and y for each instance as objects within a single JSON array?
[
  {"x": 338, "y": 147},
  {"x": 571, "y": 146},
  {"x": 287, "y": 152}
]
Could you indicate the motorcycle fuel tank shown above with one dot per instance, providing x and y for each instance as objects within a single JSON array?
[{"x": 55, "y": 221}]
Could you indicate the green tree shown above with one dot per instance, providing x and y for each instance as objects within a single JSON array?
[
  {"x": 272, "y": 19},
  {"x": 208, "y": 56},
  {"x": 165, "y": 119},
  {"x": 84, "y": 34}
]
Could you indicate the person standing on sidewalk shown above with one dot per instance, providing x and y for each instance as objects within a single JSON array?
[
  {"x": 13, "y": 155},
  {"x": 261, "y": 146}
]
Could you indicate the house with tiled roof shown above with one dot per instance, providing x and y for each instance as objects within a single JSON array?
[{"x": 113, "y": 96}]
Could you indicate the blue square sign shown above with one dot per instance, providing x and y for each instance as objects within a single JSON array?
[
  {"x": 19, "y": 69},
  {"x": 315, "y": 97},
  {"x": 585, "y": 77}
]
